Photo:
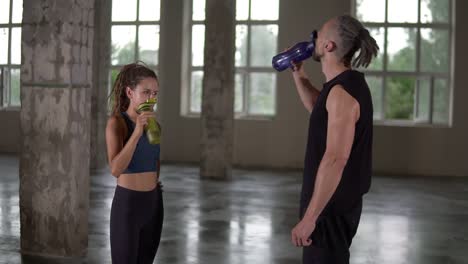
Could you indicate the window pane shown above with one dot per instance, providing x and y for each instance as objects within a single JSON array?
[
  {"x": 263, "y": 44},
  {"x": 123, "y": 44},
  {"x": 400, "y": 98},
  {"x": 4, "y": 11},
  {"x": 375, "y": 86},
  {"x": 370, "y": 10},
  {"x": 423, "y": 98},
  {"x": 17, "y": 11},
  {"x": 401, "y": 49},
  {"x": 241, "y": 45},
  {"x": 239, "y": 93},
  {"x": 196, "y": 91},
  {"x": 262, "y": 97},
  {"x": 401, "y": 11},
  {"x": 264, "y": 10},
  {"x": 124, "y": 10},
  {"x": 148, "y": 46},
  {"x": 441, "y": 101},
  {"x": 149, "y": 10},
  {"x": 379, "y": 36},
  {"x": 435, "y": 11},
  {"x": 440, "y": 114},
  {"x": 4, "y": 45},
  {"x": 198, "y": 10},
  {"x": 16, "y": 45},
  {"x": 198, "y": 44},
  {"x": 435, "y": 50},
  {"x": 15, "y": 87},
  {"x": 242, "y": 9}
]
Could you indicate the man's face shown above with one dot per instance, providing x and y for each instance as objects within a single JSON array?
[
  {"x": 317, "y": 55},
  {"x": 322, "y": 43}
]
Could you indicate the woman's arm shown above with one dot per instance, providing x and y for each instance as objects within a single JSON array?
[{"x": 118, "y": 154}]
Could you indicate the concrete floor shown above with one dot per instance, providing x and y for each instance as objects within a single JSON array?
[{"x": 248, "y": 220}]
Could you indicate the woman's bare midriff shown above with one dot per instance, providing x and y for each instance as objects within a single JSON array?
[{"x": 144, "y": 181}]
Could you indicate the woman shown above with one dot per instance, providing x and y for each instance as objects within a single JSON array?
[{"x": 137, "y": 208}]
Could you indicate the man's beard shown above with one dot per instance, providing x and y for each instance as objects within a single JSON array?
[{"x": 316, "y": 56}]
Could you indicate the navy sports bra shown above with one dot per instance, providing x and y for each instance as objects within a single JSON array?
[{"x": 146, "y": 155}]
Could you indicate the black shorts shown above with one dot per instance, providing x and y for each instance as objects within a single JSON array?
[{"x": 332, "y": 237}]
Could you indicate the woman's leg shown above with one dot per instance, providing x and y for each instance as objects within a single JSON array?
[
  {"x": 150, "y": 234},
  {"x": 124, "y": 235}
]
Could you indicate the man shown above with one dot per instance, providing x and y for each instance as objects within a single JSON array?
[{"x": 337, "y": 169}]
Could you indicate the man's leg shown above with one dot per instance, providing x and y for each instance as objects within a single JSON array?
[{"x": 315, "y": 255}]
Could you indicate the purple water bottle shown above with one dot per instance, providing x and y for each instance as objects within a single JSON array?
[{"x": 299, "y": 52}]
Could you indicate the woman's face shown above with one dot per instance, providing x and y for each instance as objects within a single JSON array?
[{"x": 145, "y": 89}]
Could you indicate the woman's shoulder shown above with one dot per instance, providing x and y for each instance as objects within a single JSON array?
[
  {"x": 116, "y": 125},
  {"x": 116, "y": 121}
]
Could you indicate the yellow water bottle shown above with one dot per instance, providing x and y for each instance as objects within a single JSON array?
[{"x": 152, "y": 129}]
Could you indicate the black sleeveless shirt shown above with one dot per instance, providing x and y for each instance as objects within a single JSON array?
[{"x": 356, "y": 178}]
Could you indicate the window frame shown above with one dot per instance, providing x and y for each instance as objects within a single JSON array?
[
  {"x": 5, "y": 69},
  {"x": 245, "y": 70},
  {"x": 137, "y": 23},
  {"x": 186, "y": 94},
  {"x": 417, "y": 73}
]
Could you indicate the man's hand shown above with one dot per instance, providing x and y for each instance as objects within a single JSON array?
[
  {"x": 301, "y": 232},
  {"x": 297, "y": 66}
]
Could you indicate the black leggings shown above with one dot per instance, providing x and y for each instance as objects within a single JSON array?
[
  {"x": 332, "y": 238},
  {"x": 135, "y": 225}
]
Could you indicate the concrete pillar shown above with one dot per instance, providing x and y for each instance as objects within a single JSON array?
[
  {"x": 218, "y": 90},
  {"x": 56, "y": 77},
  {"x": 99, "y": 102}
]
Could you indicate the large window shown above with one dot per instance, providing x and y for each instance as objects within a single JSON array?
[
  {"x": 11, "y": 15},
  {"x": 256, "y": 43},
  {"x": 134, "y": 33},
  {"x": 410, "y": 79}
]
